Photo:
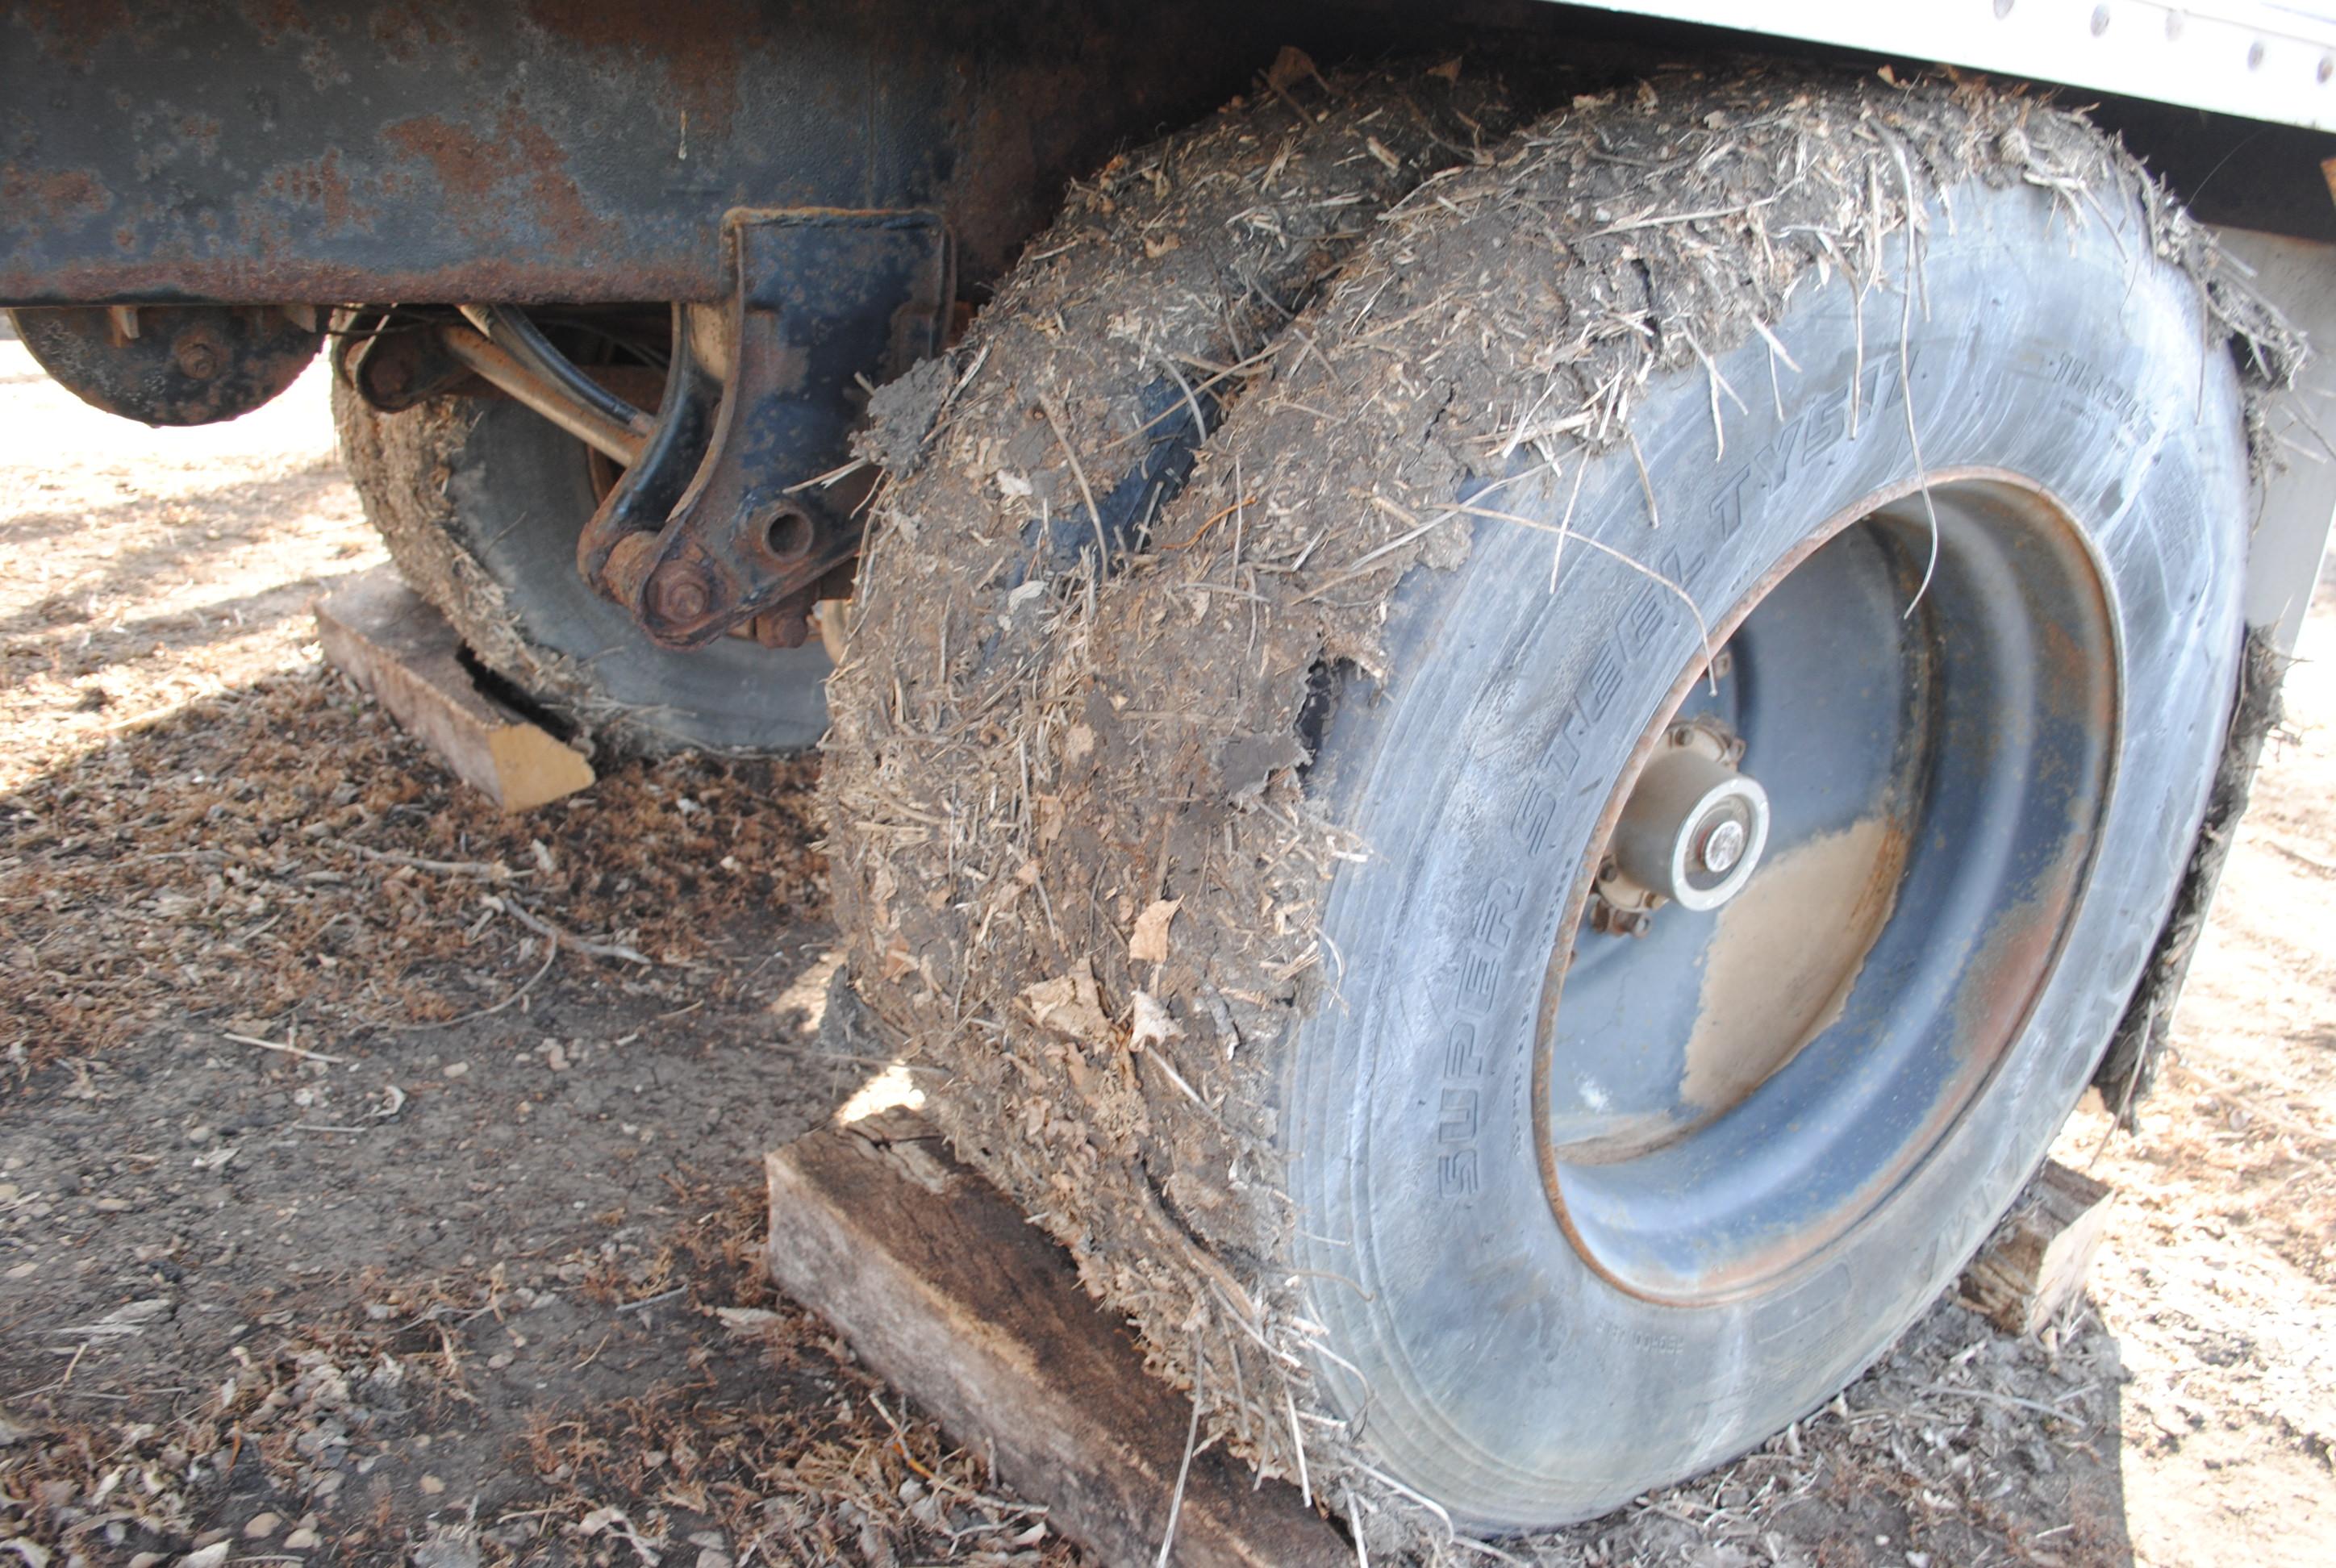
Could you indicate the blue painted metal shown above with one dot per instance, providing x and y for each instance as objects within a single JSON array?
[
  {"x": 575, "y": 150},
  {"x": 824, "y": 299},
  {"x": 1971, "y": 738}
]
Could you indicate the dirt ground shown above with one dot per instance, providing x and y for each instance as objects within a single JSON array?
[{"x": 345, "y": 1217}]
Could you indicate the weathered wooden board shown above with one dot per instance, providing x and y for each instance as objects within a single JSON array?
[
  {"x": 945, "y": 1289},
  {"x": 386, "y": 638},
  {"x": 2037, "y": 1259}
]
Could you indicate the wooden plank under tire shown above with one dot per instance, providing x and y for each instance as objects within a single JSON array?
[
  {"x": 387, "y": 639},
  {"x": 947, "y": 1291},
  {"x": 2036, "y": 1262}
]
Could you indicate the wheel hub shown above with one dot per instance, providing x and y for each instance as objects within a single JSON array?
[
  {"x": 1690, "y": 834},
  {"x": 1836, "y": 954}
]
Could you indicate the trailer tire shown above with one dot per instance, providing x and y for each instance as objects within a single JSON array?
[
  {"x": 1268, "y": 861},
  {"x": 480, "y": 501},
  {"x": 1550, "y": 1270}
]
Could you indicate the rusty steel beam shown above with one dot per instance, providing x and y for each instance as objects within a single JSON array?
[{"x": 544, "y": 150}]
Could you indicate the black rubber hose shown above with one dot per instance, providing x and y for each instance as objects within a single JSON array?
[{"x": 512, "y": 331}]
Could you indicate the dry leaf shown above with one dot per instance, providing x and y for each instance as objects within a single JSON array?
[
  {"x": 1069, "y": 1004},
  {"x": 1291, "y": 67},
  {"x": 1149, "y": 942},
  {"x": 1152, "y": 1025}
]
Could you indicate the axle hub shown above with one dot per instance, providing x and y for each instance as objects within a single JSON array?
[{"x": 1690, "y": 834}]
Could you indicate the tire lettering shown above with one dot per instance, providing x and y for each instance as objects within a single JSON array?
[
  {"x": 1779, "y": 462},
  {"x": 1648, "y": 1341},
  {"x": 2088, "y": 383},
  {"x": 1492, "y": 928},
  {"x": 1461, "y": 1057},
  {"x": 1457, "y": 1176},
  {"x": 1536, "y": 815}
]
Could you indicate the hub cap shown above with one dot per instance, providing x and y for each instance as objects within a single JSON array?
[{"x": 1693, "y": 828}]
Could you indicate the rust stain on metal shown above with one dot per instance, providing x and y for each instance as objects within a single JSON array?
[
  {"x": 1786, "y": 954},
  {"x": 2015, "y": 961},
  {"x": 60, "y": 197},
  {"x": 409, "y": 33},
  {"x": 701, "y": 61},
  {"x": 273, "y": 20},
  {"x": 164, "y": 277},
  {"x": 72, "y": 31},
  {"x": 201, "y": 132},
  {"x": 319, "y": 183},
  {"x": 481, "y": 172}
]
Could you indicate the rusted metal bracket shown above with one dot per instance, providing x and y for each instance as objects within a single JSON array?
[
  {"x": 720, "y": 523},
  {"x": 392, "y": 368}
]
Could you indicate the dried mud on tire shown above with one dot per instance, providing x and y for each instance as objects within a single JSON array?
[
  {"x": 480, "y": 502},
  {"x": 1181, "y": 264},
  {"x": 1073, "y": 843},
  {"x": 401, "y": 463}
]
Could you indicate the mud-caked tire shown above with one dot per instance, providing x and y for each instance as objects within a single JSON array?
[
  {"x": 1261, "y": 896},
  {"x": 480, "y": 501}
]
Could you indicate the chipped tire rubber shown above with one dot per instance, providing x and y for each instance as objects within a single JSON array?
[
  {"x": 480, "y": 501},
  {"x": 1269, "y": 1184}
]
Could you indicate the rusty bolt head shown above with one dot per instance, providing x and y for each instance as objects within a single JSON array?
[
  {"x": 678, "y": 593},
  {"x": 197, "y": 355}
]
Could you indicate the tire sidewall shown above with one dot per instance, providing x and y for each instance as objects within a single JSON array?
[
  {"x": 1492, "y": 1369},
  {"x": 521, "y": 491},
  {"x": 480, "y": 503}
]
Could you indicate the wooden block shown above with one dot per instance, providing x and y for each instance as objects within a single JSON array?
[
  {"x": 2037, "y": 1260},
  {"x": 947, "y": 1292},
  {"x": 385, "y": 638}
]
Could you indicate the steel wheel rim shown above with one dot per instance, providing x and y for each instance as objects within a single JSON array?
[{"x": 1719, "y": 1102}]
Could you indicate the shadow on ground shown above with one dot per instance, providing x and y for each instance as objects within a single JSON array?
[
  {"x": 343, "y": 1213},
  {"x": 381, "y": 1174}
]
